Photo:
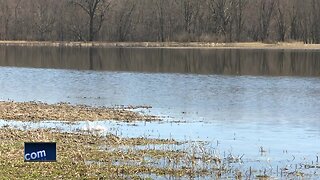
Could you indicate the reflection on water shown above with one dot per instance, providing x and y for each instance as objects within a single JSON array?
[{"x": 198, "y": 61}]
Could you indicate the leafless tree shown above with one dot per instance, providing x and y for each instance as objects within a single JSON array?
[
  {"x": 44, "y": 18},
  {"x": 125, "y": 22},
  {"x": 281, "y": 20},
  {"x": 160, "y": 11},
  {"x": 266, "y": 12},
  {"x": 315, "y": 25},
  {"x": 96, "y": 11},
  {"x": 293, "y": 14},
  {"x": 190, "y": 9},
  {"x": 221, "y": 11},
  {"x": 239, "y": 16},
  {"x": 6, "y": 15},
  {"x": 160, "y": 20}
]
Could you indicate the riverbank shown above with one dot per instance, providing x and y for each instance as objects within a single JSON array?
[
  {"x": 37, "y": 111},
  {"x": 174, "y": 45}
]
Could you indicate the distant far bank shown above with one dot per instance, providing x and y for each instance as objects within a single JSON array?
[{"x": 173, "y": 45}]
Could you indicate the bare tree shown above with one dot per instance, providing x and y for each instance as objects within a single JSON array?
[
  {"x": 239, "y": 13},
  {"x": 266, "y": 12},
  {"x": 306, "y": 21},
  {"x": 96, "y": 10},
  {"x": 44, "y": 18},
  {"x": 160, "y": 11},
  {"x": 293, "y": 14},
  {"x": 221, "y": 11},
  {"x": 315, "y": 32},
  {"x": 160, "y": 20},
  {"x": 6, "y": 16},
  {"x": 125, "y": 24},
  {"x": 190, "y": 9},
  {"x": 281, "y": 21}
]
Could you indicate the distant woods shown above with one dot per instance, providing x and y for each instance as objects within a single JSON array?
[{"x": 161, "y": 20}]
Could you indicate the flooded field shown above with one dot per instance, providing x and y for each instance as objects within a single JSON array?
[{"x": 268, "y": 123}]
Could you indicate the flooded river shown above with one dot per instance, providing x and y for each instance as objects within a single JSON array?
[{"x": 199, "y": 94}]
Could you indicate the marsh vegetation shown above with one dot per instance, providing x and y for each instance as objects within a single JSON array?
[
  {"x": 89, "y": 155},
  {"x": 37, "y": 111}
]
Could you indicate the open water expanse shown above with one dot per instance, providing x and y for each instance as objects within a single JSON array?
[{"x": 263, "y": 105}]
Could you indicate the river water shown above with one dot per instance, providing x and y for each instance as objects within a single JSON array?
[{"x": 241, "y": 100}]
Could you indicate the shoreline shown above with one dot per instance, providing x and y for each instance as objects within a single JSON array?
[
  {"x": 169, "y": 45},
  {"x": 39, "y": 111}
]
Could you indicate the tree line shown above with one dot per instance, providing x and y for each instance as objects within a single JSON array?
[{"x": 161, "y": 20}]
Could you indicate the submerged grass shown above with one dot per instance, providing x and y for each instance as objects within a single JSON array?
[
  {"x": 37, "y": 111},
  {"x": 89, "y": 155},
  {"x": 80, "y": 156},
  {"x": 92, "y": 156}
]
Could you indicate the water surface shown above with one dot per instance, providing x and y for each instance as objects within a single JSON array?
[
  {"x": 197, "y": 88},
  {"x": 196, "y": 61}
]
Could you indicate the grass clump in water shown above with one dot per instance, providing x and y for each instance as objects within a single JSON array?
[{"x": 37, "y": 111}]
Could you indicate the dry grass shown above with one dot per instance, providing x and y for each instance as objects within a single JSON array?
[
  {"x": 90, "y": 156},
  {"x": 37, "y": 111},
  {"x": 80, "y": 156}
]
